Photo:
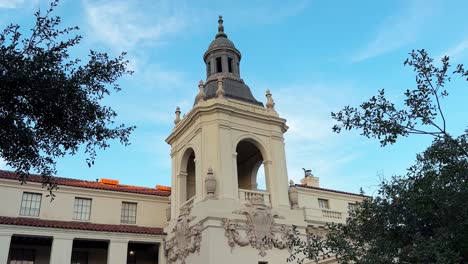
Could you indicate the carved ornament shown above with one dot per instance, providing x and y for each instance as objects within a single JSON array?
[
  {"x": 261, "y": 231},
  {"x": 186, "y": 238}
]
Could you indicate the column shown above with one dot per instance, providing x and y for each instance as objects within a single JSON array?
[
  {"x": 5, "y": 240},
  {"x": 61, "y": 250},
  {"x": 161, "y": 254},
  {"x": 182, "y": 178},
  {"x": 117, "y": 252},
  {"x": 213, "y": 65},
  {"x": 224, "y": 62}
]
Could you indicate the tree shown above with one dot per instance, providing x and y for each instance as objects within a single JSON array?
[
  {"x": 50, "y": 104},
  {"x": 420, "y": 217}
]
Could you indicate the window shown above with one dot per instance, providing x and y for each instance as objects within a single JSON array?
[
  {"x": 82, "y": 209},
  {"x": 323, "y": 203},
  {"x": 230, "y": 64},
  {"x": 128, "y": 215},
  {"x": 352, "y": 206},
  {"x": 219, "y": 67},
  {"x": 30, "y": 204},
  {"x": 263, "y": 262},
  {"x": 208, "y": 68},
  {"x": 22, "y": 256},
  {"x": 79, "y": 257}
]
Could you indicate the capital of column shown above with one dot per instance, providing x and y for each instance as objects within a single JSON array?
[
  {"x": 182, "y": 175},
  {"x": 267, "y": 162}
]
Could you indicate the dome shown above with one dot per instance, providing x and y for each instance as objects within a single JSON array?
[
  {"x": 222, "y": 61},
  {"x": 221, "y": 42}
]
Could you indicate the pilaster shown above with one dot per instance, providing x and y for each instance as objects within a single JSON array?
[
  {"x": 117, "y": 252},
  {"x": 61, "y": 250},
  {"x": 161, "y": 254},
  {"x": 5, "y": 240}
]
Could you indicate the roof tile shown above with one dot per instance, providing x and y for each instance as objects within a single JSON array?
[
  {"x": 329, "y": 190},
  {"x": 89, "y": 184},
  {"x": 34, "y": 222}
]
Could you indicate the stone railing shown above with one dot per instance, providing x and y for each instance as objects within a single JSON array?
[
  {"x": 331, "y": 214},
  {"x": 189, "y": 202},
  {"x": 245, "y": 195}
]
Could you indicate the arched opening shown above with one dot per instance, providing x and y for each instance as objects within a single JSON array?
[
  {"x": 250, "y": 171},
  {"x": 188, "y": 168},
  {"x": 219, "y": 67}
]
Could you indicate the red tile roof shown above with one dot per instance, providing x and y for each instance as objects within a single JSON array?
[
  {"x": 89, "y": 184},
  {"x": 329, "y": 190},
  {"x": 22, "y": 221}
]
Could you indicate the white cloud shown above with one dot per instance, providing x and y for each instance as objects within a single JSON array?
[
  {"x": 457, "y": 51},
  {"x": 125, "y": 25},
  {"x": 262, "y": 13},
  {"x": 17, "y": 3},
  {"x": 310, "y": 142},
  {"x": 398, "y": 30}
]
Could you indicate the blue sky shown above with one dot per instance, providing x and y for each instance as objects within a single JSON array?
[{"x": 314, "y": 56}]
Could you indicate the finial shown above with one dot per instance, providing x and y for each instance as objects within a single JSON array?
[
  {"x": 201, "y": 92},
  {"x": 220, "y": 25},
  {"x": 307, "y": 173},
  {"x": 221, "y": 28},
  {"x": 177, "y": 114},
  {"x": 220, "y": 92},
  {"x": 270, "y": 104},
  {"x": 291, "y": 183}
]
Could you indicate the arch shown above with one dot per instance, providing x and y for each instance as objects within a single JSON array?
[
  {"x": 249, "y": 159},
  {"x": 188, "y": 168},
  {"x": 256, "y": 141}
]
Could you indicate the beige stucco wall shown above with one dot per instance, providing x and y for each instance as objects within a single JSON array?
[
  {"x": 105, "y": 206},
  {"x": 213, "y": 128}
]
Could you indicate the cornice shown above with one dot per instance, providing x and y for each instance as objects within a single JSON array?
[{"x": 230, "y": 107}]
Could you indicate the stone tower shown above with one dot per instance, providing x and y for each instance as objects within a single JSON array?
[{"x": 217, "y": 149}]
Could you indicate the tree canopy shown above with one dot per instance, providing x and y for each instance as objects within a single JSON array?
[
  {"x": 50, "y": 103},
  {"x": 420, "y": 217}
]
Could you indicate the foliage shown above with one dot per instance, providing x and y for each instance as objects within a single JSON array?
[
  {"x": 50, "y": 104},
  {"x": 421, "y": 217}
]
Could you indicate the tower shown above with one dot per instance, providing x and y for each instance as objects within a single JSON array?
[{"x": 217, "y": 149}]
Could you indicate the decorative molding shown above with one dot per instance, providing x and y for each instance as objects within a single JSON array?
[
  {"x": 261, "y": 232},
  {"x": 186, "y": 240},
  {"x": 210, "y": 183}
]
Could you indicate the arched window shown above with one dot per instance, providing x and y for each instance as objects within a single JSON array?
[
  {"x": 249, "y": 163},
  {"x": 219, "y": 67},
  {"x": 188, "y": 168},
  {"x": 230, "y": 64}
]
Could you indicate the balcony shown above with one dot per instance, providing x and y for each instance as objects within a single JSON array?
[
  {"x": 331, "y": 214},
  {"x": 246, "y": 195}
]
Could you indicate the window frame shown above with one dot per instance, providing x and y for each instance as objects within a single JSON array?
[
  {"x": 352, "y": 206},
  {"x": 26, "y": 208},
  {"x": 125, "y": 216},
  {"x": 326, "y": 203},
  {"x": 80, "y": 212}
]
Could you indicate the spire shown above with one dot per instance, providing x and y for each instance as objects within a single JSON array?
[
  {"x": 220, "y": 28},
  {"x": 222, "y": 60}
]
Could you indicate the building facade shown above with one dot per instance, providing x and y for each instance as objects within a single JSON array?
[{"x": 214, "y": 212}]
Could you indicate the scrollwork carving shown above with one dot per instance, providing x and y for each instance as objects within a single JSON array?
[
  {"x": 186, "y": 240},
  {"x": 260, "y": 228}
]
